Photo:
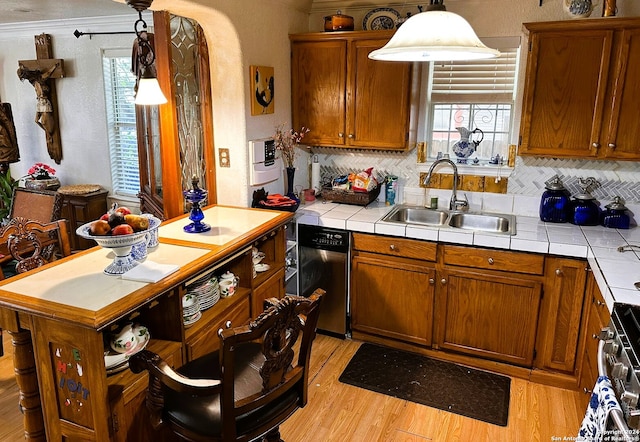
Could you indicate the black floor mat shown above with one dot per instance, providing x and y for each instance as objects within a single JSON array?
[{"x": 444, "y": 385}]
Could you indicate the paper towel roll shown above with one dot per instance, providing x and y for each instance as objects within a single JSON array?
[{"x": 315, "y": 176}]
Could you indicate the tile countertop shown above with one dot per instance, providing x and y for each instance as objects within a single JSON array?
[{"x": 615, "y": 272}]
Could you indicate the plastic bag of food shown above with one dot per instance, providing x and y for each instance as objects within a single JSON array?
[{"x": 364, "y": 181}]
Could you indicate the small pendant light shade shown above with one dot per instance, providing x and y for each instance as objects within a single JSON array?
[
  {"x": 434, "y": 36},
  {"x": 149, "y": 92}
]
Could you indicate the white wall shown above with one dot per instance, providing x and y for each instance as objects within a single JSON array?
[{"x": 80, "y": 95}]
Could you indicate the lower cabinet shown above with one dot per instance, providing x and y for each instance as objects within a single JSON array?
[
  {"x": 487, "y": 315},
  {"x": 524, "y": 312},
  {"x": 597, "y": 317},
  {"x": 273, "y": 287},
  {"x": 393, "y": 298},
  {"x": 561, "y": 312}
]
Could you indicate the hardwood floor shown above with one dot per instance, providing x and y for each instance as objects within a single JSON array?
[{"x": 337, "y": 412}]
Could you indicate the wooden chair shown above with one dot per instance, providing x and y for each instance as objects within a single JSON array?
[
  {"x": 33, "y": 243},
  {"x": 38, "y": 205},
  {"x": 245, "y": 390}
]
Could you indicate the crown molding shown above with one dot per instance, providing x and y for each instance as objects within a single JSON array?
[{"x": 116, "y": 23}]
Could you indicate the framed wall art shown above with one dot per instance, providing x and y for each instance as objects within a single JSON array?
[{"x": 262, "y": 92}]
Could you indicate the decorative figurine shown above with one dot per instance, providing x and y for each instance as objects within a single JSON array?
[{"x": 195, "y": 196}]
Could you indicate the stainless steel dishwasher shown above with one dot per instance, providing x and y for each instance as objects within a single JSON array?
[{"x": 323, "y": 261}]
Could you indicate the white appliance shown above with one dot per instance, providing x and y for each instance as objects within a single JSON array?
[{"x": 265, "y": 167}]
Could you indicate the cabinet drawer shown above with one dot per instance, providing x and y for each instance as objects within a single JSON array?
[
  {"x": 208, "y": 341},
  {"x": 401, "y": 247},
  {"x": 494, "y": 260}
]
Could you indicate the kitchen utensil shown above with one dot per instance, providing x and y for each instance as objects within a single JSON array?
[{"x": 555, "y": 202}]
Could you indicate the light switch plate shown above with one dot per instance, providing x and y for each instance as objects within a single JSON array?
[{"x": 224, "y": 159}]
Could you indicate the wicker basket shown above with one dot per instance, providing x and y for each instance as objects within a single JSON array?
[{"x": 349, "y": 196}]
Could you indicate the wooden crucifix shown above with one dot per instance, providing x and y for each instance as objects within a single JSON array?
[{"x": 40, "y": 73}]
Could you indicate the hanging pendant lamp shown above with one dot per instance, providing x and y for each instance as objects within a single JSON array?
[
  {"x": 434, "y": 36},
  {"x": 148, "y": 91}
]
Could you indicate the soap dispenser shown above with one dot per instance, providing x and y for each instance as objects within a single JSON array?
[
  {"x": 614, "y": 216},
  {"x": 585, "y": 210},
  {"x": 555, "y": 202}
]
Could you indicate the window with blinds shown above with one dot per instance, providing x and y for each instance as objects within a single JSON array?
[
  {"x": 121, "y": 122},
  {"x": 474, "y": 94}
]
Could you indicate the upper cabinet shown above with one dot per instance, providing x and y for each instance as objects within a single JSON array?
[
  {"x": 346, "y": 99},
  {"x": 580, "y": 93}
]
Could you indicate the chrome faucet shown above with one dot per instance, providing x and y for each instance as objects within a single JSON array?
[{"x": 455, "y": 203}]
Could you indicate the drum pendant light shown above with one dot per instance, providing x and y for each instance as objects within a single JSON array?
[
  {"x": 434, "y": 36},
  {"x": 148, "y": 90}
]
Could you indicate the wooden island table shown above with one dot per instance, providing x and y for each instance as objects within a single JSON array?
[{"x": 60, "y": 316}]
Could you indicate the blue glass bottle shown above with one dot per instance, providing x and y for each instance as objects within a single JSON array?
[{"x": 555, "y": 202}]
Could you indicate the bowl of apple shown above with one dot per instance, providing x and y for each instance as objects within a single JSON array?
[{"x": 118, "y": 230}]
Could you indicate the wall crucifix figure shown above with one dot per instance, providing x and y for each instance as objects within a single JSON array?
[{"x": 40, "y": 73}]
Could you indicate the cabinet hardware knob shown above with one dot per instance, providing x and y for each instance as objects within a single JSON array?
[
  {"x": 443, "y": 281},
  {"x": 350, "y": 135},
  {"x": 612, "y": 145},
  {"x": 594, "y": 336},
  {"x": 558, "y": 272},
  {"x": 596, "y": 145},
  {"x": 432, "y": 281},
  {"x": 587, "y": 391},
  {"x": 392, "y": 247},
  {"x": 490, "y": 260},
  {"x": 340, "y": 134},
  {"x": 599, "y": 303}
]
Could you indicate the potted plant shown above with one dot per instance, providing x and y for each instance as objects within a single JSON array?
[
  {"x": 41, "y": 177},
  {"x": 7, "y": 184},
  {"x": 286, "y": 143}
]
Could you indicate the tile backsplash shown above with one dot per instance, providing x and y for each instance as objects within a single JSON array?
[{"x": 616, "y": 178}]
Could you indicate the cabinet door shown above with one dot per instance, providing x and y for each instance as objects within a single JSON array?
[
  {"x": 561, "y": 313},
  {"x": 566, "y": 80},
  {"x": 624, "y": 130},
  {"x": 377, "y": 99},
  {"x": 271, "y": 288},
  {"x": 487, "y": 315},
  {"x": 392, "y": 298},
  {"x": 318, "y": 84}
]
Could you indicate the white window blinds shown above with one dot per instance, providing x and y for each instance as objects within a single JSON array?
[
  {"x": 478, "y": 81},
  {"x": 121, "y": 122}
]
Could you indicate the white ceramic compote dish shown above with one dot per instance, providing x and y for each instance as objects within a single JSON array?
[{"x": 120, "y": 244}]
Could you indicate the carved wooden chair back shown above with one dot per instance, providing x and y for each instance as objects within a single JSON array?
[
  {"x": 37, "y": 205},
  {"x": 33, "y": 243},
  {"x": 246, "y": 389}
]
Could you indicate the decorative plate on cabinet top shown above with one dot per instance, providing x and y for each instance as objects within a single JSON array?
[{"x": 380, "y": 18}]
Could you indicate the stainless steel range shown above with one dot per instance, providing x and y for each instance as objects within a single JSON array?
[{"x": 619, "y": 358}]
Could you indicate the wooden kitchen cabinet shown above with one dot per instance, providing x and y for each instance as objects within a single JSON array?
[
  {"x": 597, "y": 317},
  {"x": 487, "y": 303},
  {"x": 580, "y": 100},
  {"x": 346, "y": 99},
  {"x": 561, "y": 314},
  {"x": 392, "y": 295}
]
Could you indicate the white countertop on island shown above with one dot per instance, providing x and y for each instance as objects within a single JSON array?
[{"x": 614, "y": 271}]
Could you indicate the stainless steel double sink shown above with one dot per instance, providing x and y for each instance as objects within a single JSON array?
[{"x": 476, "y": 221}]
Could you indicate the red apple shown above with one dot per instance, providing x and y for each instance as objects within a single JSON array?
[
  {"x": 122, "y": 229},
  {"x": 123, "y": 210},
  {"x": 105, "y": 217}
]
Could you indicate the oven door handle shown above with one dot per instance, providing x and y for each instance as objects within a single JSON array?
[{"x": 616, "y": 415}]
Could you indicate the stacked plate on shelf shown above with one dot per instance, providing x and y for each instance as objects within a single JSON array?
[
  {"x": 207, "y": 293},
  {"x": 190, "y": 309}
]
